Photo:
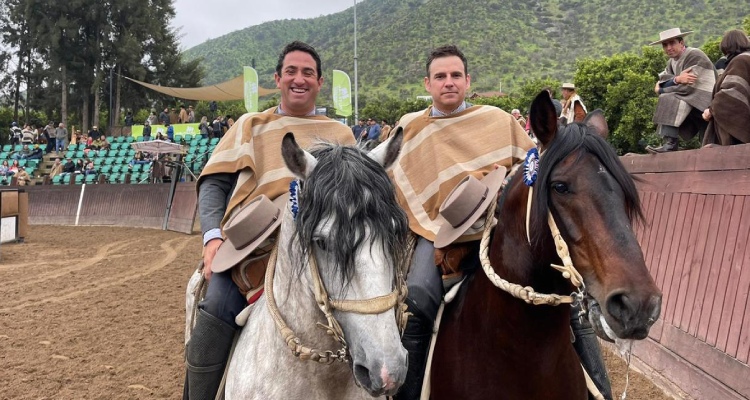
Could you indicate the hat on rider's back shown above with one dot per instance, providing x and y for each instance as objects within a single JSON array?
[
  {"x": 670, "y": 34},
  {"x": 247, "y": 229},
  {"x": 465, "y": 204}
]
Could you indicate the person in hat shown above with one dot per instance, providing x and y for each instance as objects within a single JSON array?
[
  {"x": 573, "y": 109},
  {"x": 373, "y": 130},
  {"x": 684, "y": 90},
  {"x": 94, "y": 133},
  {"x": 22, "y": 177},
  {"x": 449, "y": 141},
  {"x": 244, "y": 167},
  {"x": 729, "y": 113}
]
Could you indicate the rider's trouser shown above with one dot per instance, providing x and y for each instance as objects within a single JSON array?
[
  {"x": 587, "y": 347},
  {"x": 208, "y": 350}
]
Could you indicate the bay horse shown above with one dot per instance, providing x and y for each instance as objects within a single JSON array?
[
  {"x": 494, "y": 346},
  {"x": 346, "y": 227}
]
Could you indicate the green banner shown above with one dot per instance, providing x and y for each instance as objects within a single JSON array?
[
  {"x": 179, "y": 129},
  {"x": 251, "y": 89},
  {"x": 342, "y": 93}
]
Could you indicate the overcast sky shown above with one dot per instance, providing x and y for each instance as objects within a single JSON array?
[{"x": 200, "y": 20}]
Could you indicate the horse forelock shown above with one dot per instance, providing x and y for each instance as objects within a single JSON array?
[
  {"x": 578, "y": 140},
  {"x": 352, "y": 195}
]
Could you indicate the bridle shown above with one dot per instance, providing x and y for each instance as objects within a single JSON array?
[{"x": 376, "y": 305}]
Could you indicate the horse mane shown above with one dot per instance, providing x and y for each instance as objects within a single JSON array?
[
  {"x": 353, "y": 192},
  {"x": 577, "y": 137}
]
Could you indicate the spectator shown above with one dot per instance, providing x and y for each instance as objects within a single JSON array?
[
  {"x": 14, "y": 167},
  {"x": 191, "y": 115},
  {"x": 358, "y": 129},
  {"x": 129, "y": 119},
  {"x": 170, "y": 132},
  {"x": 228, "y": 122},
  {"x": 90, "y": 169},
  {"x": 36, "y": 154},
  {"x": 516, "y": 113},
  {"x": 216, "y": 127},
  {"x": 152, "y": 119},
  {"x": 24, "y": 153},
  {"x": 49, "y": 135},
  {"x": 183, "y": 116},
  {"x": 729, "y": 113},
  {"x": 27, "y": 135},
  {"x": 204, "y": 128},
  {"x": 61, "y": 137},
  {"x": 173, "y": 117},
  {"x": 15, "y": 133},
  {"x": 147, "y": 131},
  {"x": 684, "y": 90},
  {"x": 5, "y": 171},
  {"x": 373, "y": 130},
  {"x": 22, "y": 177},
  {"x": 57, "y": 168},
  {"x": 94, "y": 133},
  {"x": 573, "y": 108},
  {"x": 104, "y": 143},
  {"x": 79, "y": 166},
  {"x": 69, "y": 167},
  {"x": 138, "y": 158},
  {"x": 164, "y": 117}
]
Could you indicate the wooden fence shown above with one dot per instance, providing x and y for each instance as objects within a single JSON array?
[{"x": 695, "y": 242}]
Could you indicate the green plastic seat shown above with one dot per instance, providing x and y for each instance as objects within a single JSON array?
[
  {"x": 137, "y": 168},
  {"x": 106, "y": 169},
  {"x": 66, "y": 179},
  {"x": 188, "y": 137},
  {"x": 22, "y": 162},
  {"x": 7, "y": 148},
  {"x": 79, "y": 179},
  {"x": 98, "y": 162},
  {"x": 117, "y": 168},
  {"x": 91, "y": 178},
  {"x": 57, "y": 180},
  {"x": 214, "y": 141},
  {"x": 81, "y": 146},
  {"x": 178, "y": 138},
  {"x": 109, "y": 161},
  {"x": 122, "y": 153},
  {"x": 139, "y": 139},
  {"x": 113, "y": 178}
]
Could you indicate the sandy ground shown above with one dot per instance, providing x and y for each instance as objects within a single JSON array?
[{"x": 98, "y": 313}]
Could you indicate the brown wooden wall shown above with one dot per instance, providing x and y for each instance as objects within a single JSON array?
[
  {"x": 695, "y": 242},
  {"x": 113, "y": 204}
]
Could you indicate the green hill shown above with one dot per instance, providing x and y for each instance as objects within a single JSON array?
[{"x": 506, "y": 41}]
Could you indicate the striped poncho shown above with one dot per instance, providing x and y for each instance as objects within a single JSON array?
[
  {"x": 252, "y": 147},
  {"x": 438, "y": 152}
]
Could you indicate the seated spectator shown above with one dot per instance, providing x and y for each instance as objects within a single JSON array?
[
  {"x": 729, "y": 112},
  {"x": 160, "y": 136},
  {"x": 14, "y": 167},
  {"x": 139, "y": 158},
  {"x": 90, "y": 169},
  {"x": 5, "y": 171},
  {"x": 69, "y": 167},
  {"x": 105, "y": 145},
  {"x": 23, "y": 177},
  {"x": 96, "y": 144},
  {"x": 79, "y": 166},
  {"x": 147, "y": 131},
  {"x": 57, "y": 168},
  {"x": 25, "y": 152},
  {"x": 36, "y": 154}
]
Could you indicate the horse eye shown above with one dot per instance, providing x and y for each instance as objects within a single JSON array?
[
  {"x": 560, "y": 187},
  {"x": 321, "y": 243}
]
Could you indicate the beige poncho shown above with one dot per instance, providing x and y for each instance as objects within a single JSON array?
[
  {"x": 440, "y": 151},
  {"x": 252, "y": 147}
]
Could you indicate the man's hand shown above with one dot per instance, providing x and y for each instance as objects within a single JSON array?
[
  {"x": 707, "y": 114},
  {"x": 687, "y": 77},
  {"x": 209, "y": 251},
  {"x": 657, "y": 87}
]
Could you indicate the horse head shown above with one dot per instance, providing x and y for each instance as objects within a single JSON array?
[
  {"x": 348, "y": 220},
  {"x": 594, "y": 202}
]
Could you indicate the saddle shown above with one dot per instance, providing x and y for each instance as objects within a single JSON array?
[{"x": 249, "y": 274}]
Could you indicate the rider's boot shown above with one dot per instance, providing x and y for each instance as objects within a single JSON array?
[
  {"x": 416, "y": 340},
  {"x": 206, "y": 354},
  {"x": 587, "y": 347}
]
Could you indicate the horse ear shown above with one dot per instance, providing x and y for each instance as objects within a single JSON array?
[
  {"x": 387, "y": 152},
  {"x": 300, "y": 162},
  {"x": 595, "y": 120},
  {"x": 543, "y": 118}
]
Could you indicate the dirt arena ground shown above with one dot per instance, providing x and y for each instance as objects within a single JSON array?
[{"x": 98, "y": 313}]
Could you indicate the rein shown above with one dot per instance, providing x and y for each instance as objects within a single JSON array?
[
  {"x": 527, "y": 293},
  {"x": 376, "y": 305}
]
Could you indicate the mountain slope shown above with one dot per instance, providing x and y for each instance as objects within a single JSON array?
[{"x": 505, "y": 41}]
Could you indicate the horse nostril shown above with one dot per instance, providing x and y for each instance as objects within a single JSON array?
[
  {"x": 654, "y": 306},
  {"x": 362, "y": 374},
  {"x": 620, "y": 307}
]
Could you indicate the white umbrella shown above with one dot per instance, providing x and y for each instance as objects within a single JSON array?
[{"x": 158, "y": 147}]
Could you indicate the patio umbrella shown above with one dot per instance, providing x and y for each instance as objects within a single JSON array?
[{"x": 158, "y": 147}]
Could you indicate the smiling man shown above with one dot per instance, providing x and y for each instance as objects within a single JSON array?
[
  {"x": 246, "y": 164},
  {"x": 443, "y": 144},
  {"x": 684, "y": 90}
]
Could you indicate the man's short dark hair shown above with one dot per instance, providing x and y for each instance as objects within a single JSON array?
[
  {"x": 734, "y": 42},
  {"x": 299, "y": 46},
  {"x": 447, "y": 51}
]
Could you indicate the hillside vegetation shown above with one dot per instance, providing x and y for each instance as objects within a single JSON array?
[{"x": 507, "y": 42}]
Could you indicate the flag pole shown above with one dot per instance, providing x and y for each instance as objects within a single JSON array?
[{"x": 356, "y": 86}]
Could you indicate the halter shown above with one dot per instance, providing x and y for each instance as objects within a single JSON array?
[
  {"x": 376, "y": 305},
  {"x": 527, "y": 293}
]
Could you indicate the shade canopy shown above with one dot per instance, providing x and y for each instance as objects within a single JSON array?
[
  {"x": 230, "y": 90},
  {"x": 158, "y": 147}
]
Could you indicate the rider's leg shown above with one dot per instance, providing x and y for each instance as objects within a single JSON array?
[
  {"x": 425, "y": 293},
  {"x": 587, "y": 347},
  {"x": 211, "y": 340}
]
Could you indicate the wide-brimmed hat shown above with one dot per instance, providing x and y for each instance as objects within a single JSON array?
[
  {"x": 247, "y": 229},
  {"x": 670, "y": 34},
  {"x": 568, "y": 85},
  {"x": 465, "y": 204}
]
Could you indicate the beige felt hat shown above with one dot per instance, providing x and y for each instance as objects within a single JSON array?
[
  {"x": 247, "y": 229},
  {"x": 568, "y": 85},
  {"x": 670, "y": 34},
  {"x": 465, "y": 204}
]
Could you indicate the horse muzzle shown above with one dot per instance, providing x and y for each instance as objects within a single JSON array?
[
  {"x": 625, "y": 316},
  {"x": 380, "y": 382}
]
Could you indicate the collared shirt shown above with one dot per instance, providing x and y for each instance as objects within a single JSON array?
[{"x": 437, "y": 113}]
